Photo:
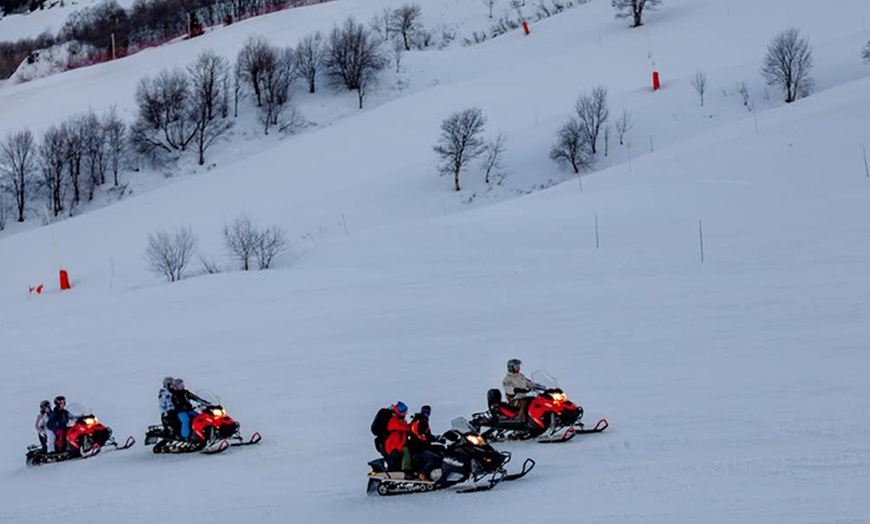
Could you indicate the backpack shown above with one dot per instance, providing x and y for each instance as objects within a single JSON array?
[{"x": 379, "y": 424}]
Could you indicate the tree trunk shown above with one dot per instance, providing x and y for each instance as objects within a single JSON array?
[{"x": 456, "y": 180}]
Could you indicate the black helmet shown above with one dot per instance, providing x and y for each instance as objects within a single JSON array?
[
  {"x": 512, "y": 363},
  {"x": 58, "y": 399},
  {"x": 44, "y": 404}
]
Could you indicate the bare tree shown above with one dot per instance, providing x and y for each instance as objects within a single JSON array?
[
  {"x": 490, "y": 4},
  {"x": 52, "y": 164},
  {"x": 251, "y": 61},
  {"x": 275, "y": 82},
  {"x": 699, "y": 82},
  {"x": 270, "y": 243},
  {"x": 116, "y": 142},
  {"x": 74, "y": 152},
  {"x": 95, "y": 152},
  {"x": 398, "y": 49},
  {"x": 788, "y": 63},
  {"x": 492, "y": 159},
  {"x": 18, "y": 165},
  {"x": 353, "y": 57},
  {"x": 309, "y": 59},
  {"x": 169, "y": 253},
  {"x": 208, "y": 76},
  {"x": 865, "y": 54},
  {"x": 167, "y": 117},
  {"x": 634, "y": 9},
  {"x": 405, "y": 21},
  {"x": 241, "y": 240},
  {"x": 572, "y": 147},
  {"x": 460, "y": 141},
  {"x": 592, "y": 114},
  {"x": 623, "y": 125},
  {"x": 4, "y": 211}
]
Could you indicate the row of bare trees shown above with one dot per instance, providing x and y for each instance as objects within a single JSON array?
[
  {"x": 169, "y": 253},
  {"x": 68, "y": 164}
]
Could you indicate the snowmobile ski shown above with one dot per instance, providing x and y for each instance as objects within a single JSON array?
[
  {"x": 255, "y": 439},
  {"x": 217, "y": 447}
]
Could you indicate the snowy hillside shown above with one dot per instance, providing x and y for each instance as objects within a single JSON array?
[{"x": 735, "y": 388}]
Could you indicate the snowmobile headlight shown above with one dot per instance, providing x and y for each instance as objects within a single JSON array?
[
  {"x": 90, "y": 421},
  {"x": 559, "y": 397},
  {"x": 477, "y": 440},
  {"x": 218, "y": 412}
]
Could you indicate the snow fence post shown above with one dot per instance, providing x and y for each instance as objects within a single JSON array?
[
  {"x": 597, "y": 244},
  {"x": 64, "y": 276},
  {"x": 866, "y": 167},
  {"x": 701, "y": 238}
]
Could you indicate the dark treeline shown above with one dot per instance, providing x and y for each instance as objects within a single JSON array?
[{"x": 144, "y": 23}]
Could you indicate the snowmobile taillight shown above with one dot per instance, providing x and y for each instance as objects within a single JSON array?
[{"x": 477, "y": 440}]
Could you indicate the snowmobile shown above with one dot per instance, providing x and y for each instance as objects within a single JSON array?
[
  {"x": 85, "y": 437},
  {"x": 551, "y": 418},
  {"x": 211, "y": 431},
  {"x": 468, "y": 464}
]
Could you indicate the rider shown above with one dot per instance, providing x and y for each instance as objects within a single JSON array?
[
  {"x": 183, "y": 400},
  {"x": 515, "y": 383},
  {"x": 46, "y": 437},
  {"x": 420, "y": 441},
  {"x": 167, "y": 408},
  {"x": 58, "y": 421},
  {"x": 396, "y": 450}
]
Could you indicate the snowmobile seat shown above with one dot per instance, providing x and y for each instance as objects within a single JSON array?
[{"x": 499, "y": 408}]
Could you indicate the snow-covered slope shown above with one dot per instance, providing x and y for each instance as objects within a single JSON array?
[{"x": 735, "y": 387}]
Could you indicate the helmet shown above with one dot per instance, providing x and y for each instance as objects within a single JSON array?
[
  {"x": 400, "y": 408},
  {"x": 58, "y": 399},
  {"x": 44, "y": 404},
  {"x": 167, "y": 381},
  {"x": 426, "y": 410},
  {"x": 178, "y": 383},
  {"x": 512, "y": 363}
]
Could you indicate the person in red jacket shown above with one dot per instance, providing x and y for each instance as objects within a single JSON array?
[{"x": 398, "y": 454}]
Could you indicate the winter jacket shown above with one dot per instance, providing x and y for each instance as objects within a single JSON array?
[
  {"x": 165, "y": 400},
  {"x": 182, "y": 400},
  {"x": 421, "y": 434},
  {"x": 397, "y": 434},
  {"x": 58, "y": 419},
  {"x": 41, "y": 423},
  {"x": 515, "y": 383}
]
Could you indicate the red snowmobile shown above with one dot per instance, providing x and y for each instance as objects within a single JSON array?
[
  {"x": 211, "y": 431},
  {"x": 85, "y": 437},
  {"x": 551, "y": 418}
]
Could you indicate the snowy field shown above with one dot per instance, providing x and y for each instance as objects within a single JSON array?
[{"x": 735, "y": 388}]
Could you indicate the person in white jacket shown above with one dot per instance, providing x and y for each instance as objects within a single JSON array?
[
  {"x": 46, "y": 436},
  {"x": 167, "y": 407},
  {"x": 514, "y": 384}
]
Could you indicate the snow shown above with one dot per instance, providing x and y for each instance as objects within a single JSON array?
[{"x": 735, "y": 388}]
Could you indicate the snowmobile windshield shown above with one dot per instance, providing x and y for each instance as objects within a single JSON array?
[
  {"x": 461, "y": 425},
  {"x": 545, "y": 379},
  {"x": 78, "y": 410},
  {"x": 208, "y": 397}
]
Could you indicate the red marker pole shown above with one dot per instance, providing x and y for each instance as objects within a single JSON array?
[
  {"x": 656, "y": 84},
  {"x": 526, "y": 27},
  {"x": 64, "y": 276}
]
